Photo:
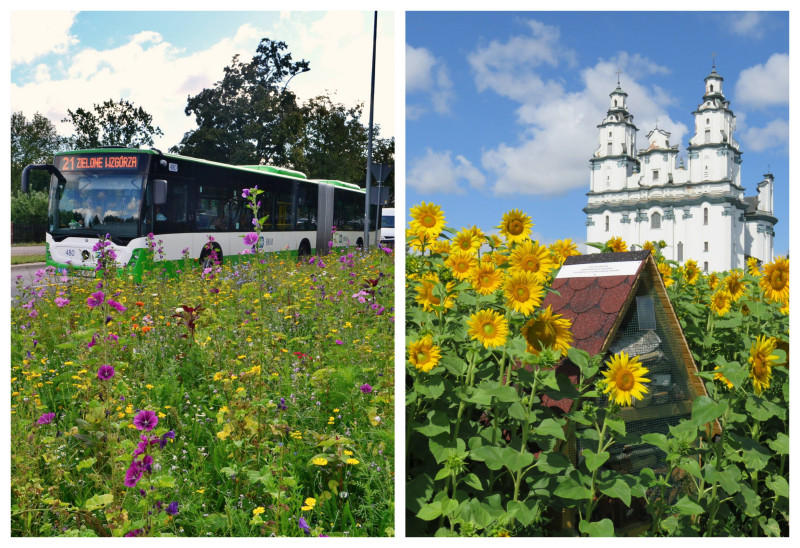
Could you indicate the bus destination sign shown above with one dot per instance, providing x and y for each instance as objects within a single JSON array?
[{"x": 98, "y": 161}]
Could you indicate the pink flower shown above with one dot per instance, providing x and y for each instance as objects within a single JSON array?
[
  {"x": 145, "y": 420},
  {"x": 96, "y": 299}
]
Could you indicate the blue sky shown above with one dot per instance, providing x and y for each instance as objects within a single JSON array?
[
  {"x": 65, "y": 60},
  {"x": 502, "y": 108}
]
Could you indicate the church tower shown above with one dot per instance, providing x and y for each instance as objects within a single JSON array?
[
  {"x": 615, "y": 161},
  {"x": 713, "y": 152}
]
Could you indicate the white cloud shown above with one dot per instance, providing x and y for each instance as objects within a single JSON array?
[
  {"x": 749, "y": 24},
  {"x": 765, "y": 85},
  {"x": 425, "y": 74},
  {"x": 559, "y": 129},
  {"x": 38, "y": 33},
  {"x": 154, "y": 74},
  {"x": 437, "y": 173},
  {"x": 775, "y": 135}
]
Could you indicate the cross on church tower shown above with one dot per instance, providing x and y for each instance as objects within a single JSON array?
[
  {"x": 713, "y": 61},
  {"x": 619, "y": 71}
]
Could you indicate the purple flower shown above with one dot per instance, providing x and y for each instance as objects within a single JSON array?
[
  {"x": 302, "y": 524},
  {"x": 46, "y": 418},
  {"x": 145, "y": 420},
  {"x": 105, "y": 372},
  {"x": 387, "y": 250},
  {"x": 96, "y": 299},
  {"x": 117, "y": 306},
  {"x": 365, "y": 388},
  {"x": 172, "y": 509},
  {"x": 132, "y": 476},
  {"x": 339, "y": 342},
  {"x": 162, "y": 441},
  {"x": 250, "y": 238},
  {"x": 311, "y": 260},
  {"x": 133, "y": 533},
  {"x": 282, "y": 404},
  {"x": 92, "y": 342},
  {"x": 61, "y": 302}
]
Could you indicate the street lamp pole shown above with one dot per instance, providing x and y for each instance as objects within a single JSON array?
[{"x": 369, "y": 142}]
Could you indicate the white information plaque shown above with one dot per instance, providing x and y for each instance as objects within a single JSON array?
[{"x": 597, "y": 270}]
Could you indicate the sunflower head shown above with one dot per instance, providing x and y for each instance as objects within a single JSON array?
[
  {"x": 533, "y": 258},
  {"x": 690, "y": 272},
  {"x": 734, "y": 285},
  {"x": 723, "y": 378},
  {"x": 547, "y": 330},
  {"x": 468, "y": 240},
  {"x": 488, "y": 327},
  {"x": 423, "y": 354},
  {"x": 617, "y": 245},
  {"x": 515, "y": 226},
  {"x": 761, "y": 358},
  {"x": 753, "y": 267},
  {"x": 523, "y": 292},
  {"x": 720, "y": 302},
  {"x": 624, "y": 379},
  {"x": 562, "y": 249},
  {"x": 485, "y": 278},
  {"x": 461, "y": 263},
  {"x": 427, "y": 219},
  {"x": 775, "y": 280}
]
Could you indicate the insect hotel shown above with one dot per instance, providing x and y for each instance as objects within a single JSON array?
[{"x": 618, "y": 303}]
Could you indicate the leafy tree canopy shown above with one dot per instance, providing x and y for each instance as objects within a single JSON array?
[
  {"x": 33, "y": 141},
  {"x": 112, "y": 123}
]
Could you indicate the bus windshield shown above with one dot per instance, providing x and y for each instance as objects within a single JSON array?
[
  {"x": 91, "y": 203},
  {"x": 387, "y": 221}
]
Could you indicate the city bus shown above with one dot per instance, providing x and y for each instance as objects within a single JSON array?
[{"x": 191, "y": 206}]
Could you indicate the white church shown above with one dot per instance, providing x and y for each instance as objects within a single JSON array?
[{"x": 699, "y": 210}]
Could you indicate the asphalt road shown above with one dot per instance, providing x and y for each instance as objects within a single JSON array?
[{"x": 24, "y": 275}]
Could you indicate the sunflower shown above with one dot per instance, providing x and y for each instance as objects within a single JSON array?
[
  {"x": 495, "y": 241},
  {"x": 547, "y": 329},
  {"x": 427, "y": 293},
  {"x": 775, "y": 281},
  {"x": 419, "y": 240},
  {"x": 461, "y": 263},
  {"x": 752, "y": 267},
  {"x": 761, "y": 358},
  {"x": 713, "y": 280},
  {"x": 516, "y": 226},
  {"x": 523, "y": 292},
  {"x": 734, "y": 284},
  {"x": 723, "y": 378},
  {"x": 690, "y": 272},
  {"x": 424, "y": 354},
  {"x": 649, "y": 246},
  {"x": 488, "y": 327},
  {"x": 468, "y": 240},
  {"x": 617, "y": 245},
  {"x": 533, "y": 258},
  {"x": 562, "y": 249},
  {"x": 442, "y": 247},
  {"x": 624, "y": 379},
  {"x": 720, "y": 302},
  {"x": 428, "y": 219},
  {"x": 486, "y": 278},
  {"x": 666, "y": 274}
]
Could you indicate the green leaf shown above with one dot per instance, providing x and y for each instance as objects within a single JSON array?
[
  {"x": 441, "y": 447},
  {"x": 705, "y": 410},
  {"x": 516, "y": 461},
  {"x": 659, "y": 440},
  {"x": 438, "y": 424},
  {"x": 778, "y": 485},
  {"x": 617, "y": 489},
  {"x": 491, "y": 455},
  {"x": 780, "y": 445},
  {"x": 432, "y": 389},
  {"x": 602, "y": 528},
  {"x": 616, "y": 425},
  {"x": 473, "y": 481},
  {"x": 551, "y": 427},
  {"x": 86, "y": 463},
  {"x": 691, "y": 465},
  {"x": 572, "y": 488},
  {"x": 769, "y": 526},
  {"x": 594, "y": 460},
  {"x": 99, "y": 501},
  {"x": 687, "y": 507},
  {"x": 418, "y": 490},
  {"x": 728, "y": 478},
  {"x": 430, "y": 511},
  {"x": 749, "y": 501},
  {"x": 553, "y": 463}
]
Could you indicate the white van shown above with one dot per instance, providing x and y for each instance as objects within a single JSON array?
[{"x": 387, "y": 227}]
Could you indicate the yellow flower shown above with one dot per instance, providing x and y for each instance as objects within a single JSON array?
[
  {"x": 309, "y": 505},
  {"x": 352, "y": 461},
  {"x": 319, "y": 461},
  {"x": 461, "y": 262},
  {"x": 713, "y": 280},
  {"x": 617, "y": 244},
  {"x": 533, "y": 258},
  {"x": 761, "y": 358},
  {"x": 258, "y": 511},
  {"x": 723, "y": 378},
  {"x": 720, "y": 302},
  {"x": 348, "y": 452},
  {"x": 523, "y": 292},
  {"x": 624, "y": 379},
  {"x": 468, "y": 240},
  {"x": 775, "y": 281},
  {"x": 752, "y": 266},
  {"x": 442, "y": 247},
  {"x": 427, "y": 220},
  {"x": 734, "y": 284},
  {"x": 427, "y": 294},
  {"x": 486, "y": 278},
  {"x": 423, "y": 354},
  {"x": 666, "y": 274},
  {"x": 488, "y": 327},
  {"x": 547, "y": 329},
  {"x": 515, "y": 226},
  {"x": 562, "y": 249},
  {"x": 691, "y": 272}
]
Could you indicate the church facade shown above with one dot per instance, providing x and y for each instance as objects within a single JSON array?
[{"x": 699, "y": 210}]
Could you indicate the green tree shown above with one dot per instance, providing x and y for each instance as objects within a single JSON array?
[
  {"x": 32, "y": 142},
  {"x": 112, "y": 123},
  {"x": 249, "y": 116}
]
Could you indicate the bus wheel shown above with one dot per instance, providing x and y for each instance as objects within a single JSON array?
[
  {"x": 305, "y": 249},
  {"x": 206, "y": 257},
  {"x": 360, "y": 243}
]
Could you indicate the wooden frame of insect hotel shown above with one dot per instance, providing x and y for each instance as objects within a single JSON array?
[{"x": 617, "y": 302}]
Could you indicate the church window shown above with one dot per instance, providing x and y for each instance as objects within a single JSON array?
[
  {"x": 608, "y": 149},
  {"x": 608, "y": 221},
  {"x": 705, "y": 216},
  {"x": 705, "y": 246},
  {"x": 708, "y": 136},
  {"x": 708, "y": 121},
  {"x": 655, "y": 175},
  {"x": 711, "y": 87},
  {"x": 680, "y": 251},
  {"x": 705, "y": 266},
  {"x": 655, "y": 220},
  {"x": 610, "y": 134}
]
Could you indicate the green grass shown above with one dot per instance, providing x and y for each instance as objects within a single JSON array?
[{"x": 26, "y": 259}]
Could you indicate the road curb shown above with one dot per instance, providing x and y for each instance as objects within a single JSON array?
[{"x": 13, "y": 266}]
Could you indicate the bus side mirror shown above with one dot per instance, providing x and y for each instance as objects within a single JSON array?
[{"x": 159, "y": 191}]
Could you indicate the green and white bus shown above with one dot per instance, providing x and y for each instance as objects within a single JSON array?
[{"x": 128, "y": 193}]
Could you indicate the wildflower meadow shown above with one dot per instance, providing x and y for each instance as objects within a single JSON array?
[
  {"x": 487, "y": 457},
  {"x": 252, "y": 398}
]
